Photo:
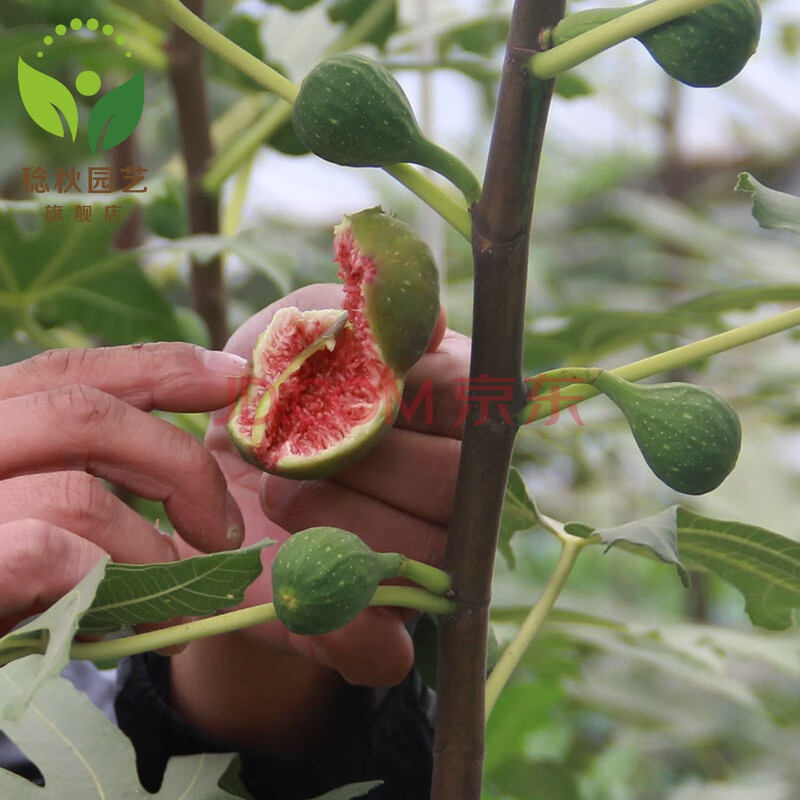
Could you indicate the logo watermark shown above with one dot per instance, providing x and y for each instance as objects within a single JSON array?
[
  {"x": 482, "y": 392},
  {"x": 52, "y": 105}
]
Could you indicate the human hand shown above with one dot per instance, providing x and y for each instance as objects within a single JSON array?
[
  {"x": 398, "y": 498},
  {"x": 69, "y": 417}
]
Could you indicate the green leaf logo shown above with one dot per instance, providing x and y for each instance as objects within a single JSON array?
[
  {"x": 43, "y": 97},
  {"x": 120, "y": 110}
]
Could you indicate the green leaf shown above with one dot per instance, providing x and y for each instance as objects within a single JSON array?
[
  {"x": 534, "y": 780},
  {"x": 657, "y": 534},
  {"x": 716, "y": 661},
  {"x": 739, "y": 298},
  {"x": 132, "y": 593},
  {"x": 516, "y": 614},
  {"x": 69, "y": 274},
  {"x": 351, "y": 11},
  {"x": 481, "y": 36},
  {"x": 118, "y": 112},
  {"x": 83, "y": 754},
  {"x": 285, "y": 141},
  {"x": 764, "y": 566},
  {"x": 251, "y": 245},
  {"x": 59, "y": 624},
  {"x": 691, "y": 654},
  {"x": 193, "y": 330},
  {"x": 352, "y": 790},
  {"x": 771, "y": 208},
  {"x": 586, "y": 334},
  {"x": 521, "y": 709},
  {"x": 569, "y": 85},
  {"x": 292, "y": 5},
  {"x": 166, "y": 213},
  {"x": 519, "y": 514},
  {"x": 43, "y": 97}
]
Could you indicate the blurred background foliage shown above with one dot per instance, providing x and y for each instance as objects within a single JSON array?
[{"x": 638, "y": 689}]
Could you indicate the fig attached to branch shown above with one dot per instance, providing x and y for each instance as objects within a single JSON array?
[
  {"x": 323, "y": 578},
  {"x": 689, "y": 436},
  {"x": 704, "y": 48},
  {"x": 352, "y": 111}
]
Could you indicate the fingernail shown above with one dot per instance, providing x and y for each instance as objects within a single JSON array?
[
  {"x": 235, "y": 522},
  {"x": 167, "y": 537},
  {"x": 226, "y": 365}
]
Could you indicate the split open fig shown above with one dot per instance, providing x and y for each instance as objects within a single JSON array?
[{"x": 326, "y": 385}]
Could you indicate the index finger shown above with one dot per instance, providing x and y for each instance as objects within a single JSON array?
[{"x": 170, "y": 376}]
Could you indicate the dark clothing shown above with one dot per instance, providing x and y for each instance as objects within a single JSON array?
[{"x": 389, "y": 738}]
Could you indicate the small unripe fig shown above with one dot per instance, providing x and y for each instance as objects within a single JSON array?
[
  {"x": 323, "y": 578},
  {"x": 326, "y": 385},
  {"x": 352, "y": 111},
  {"x": 689, "y": 436},
  {"x": 705, "y": 48}
]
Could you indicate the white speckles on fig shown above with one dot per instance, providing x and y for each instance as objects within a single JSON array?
[{"x": 692, "y": 451}]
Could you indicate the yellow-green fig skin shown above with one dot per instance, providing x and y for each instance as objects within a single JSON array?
[
  {"x": 402, "y": 301},
  {"x": 241, "y": 443}
]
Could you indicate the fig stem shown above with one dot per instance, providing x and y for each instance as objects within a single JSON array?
[
  {"x": 562, "y": 377},
  {"x": 571, "y": 394},
  {"x": 111, "y": 649},
  {"x": 433, "y": 579},
  {"x": 433, "y": 195},
  {"x": 549, "y": 63},
  {"x": 412, "y": 597},
  {"x": 175, "y": 634},
  {"x": 512, "y": 655},
  {"x": 453, "y": 168},
  {"x": 226, "y": 49}
]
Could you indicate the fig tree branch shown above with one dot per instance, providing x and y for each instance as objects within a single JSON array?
[
  {"x": 550, "y": 63},
  {"x": 501, "y": 238},
  {"x": 186, "y": 74}
]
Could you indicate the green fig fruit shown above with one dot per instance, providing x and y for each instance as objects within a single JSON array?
[
  {"x": 323, "y": 578},
  {"x": 689, "y": 436},
  {"x": 352, "y": 111},
  {"x": 705, "y": 48},
  {"x": 326, "y": 385}
]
